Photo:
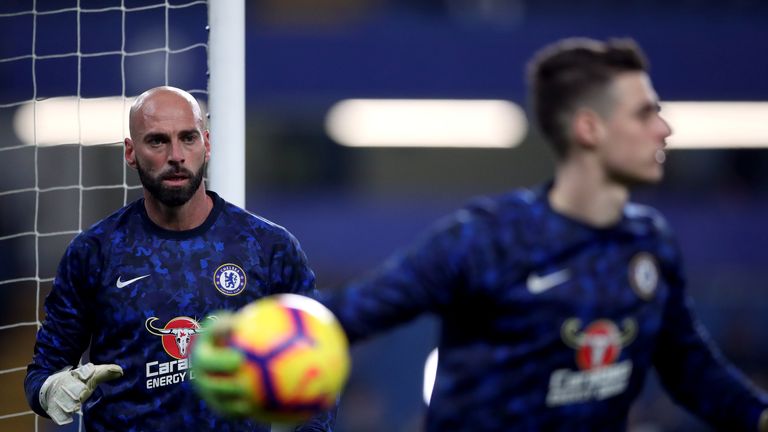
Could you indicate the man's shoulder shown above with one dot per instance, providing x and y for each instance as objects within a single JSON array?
[
  {"x": 106, "y": 229},
  {"x": 647, "y": 216},
  {"x": 241, "y": 219},
  {"x": 510, "y": 204},
  {"x": 490, "y": 214},
  {"x": 118, "y": 218}
]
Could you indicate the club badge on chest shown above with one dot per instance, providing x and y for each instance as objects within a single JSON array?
[
  {"x": 643, "y": 275},
  {"x": 229, "y": 279}
]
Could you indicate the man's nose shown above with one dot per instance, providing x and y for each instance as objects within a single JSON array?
[
  {"x": 666, "y": 129},
  {"x": 177, "y": 152}
]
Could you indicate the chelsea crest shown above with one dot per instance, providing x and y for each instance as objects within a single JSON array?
[
  {"x": 644, "y": 275},
  {"x": 229, "y": 279}
]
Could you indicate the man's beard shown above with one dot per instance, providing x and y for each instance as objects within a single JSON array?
[{"x": 171, "y": 196}]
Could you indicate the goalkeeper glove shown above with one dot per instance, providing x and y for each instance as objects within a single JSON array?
[
  {"x": 216, "y": 365},
  {"x": 64, "y": 392}
]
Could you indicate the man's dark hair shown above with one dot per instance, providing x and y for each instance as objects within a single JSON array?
[{"x": 569, "y": 73}]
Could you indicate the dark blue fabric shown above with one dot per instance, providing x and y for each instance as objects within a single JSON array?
[
  {"x": 121, "y": 324},
  {"x": 548, "y": 324}
]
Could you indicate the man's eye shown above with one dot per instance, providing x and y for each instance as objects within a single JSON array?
[{"x": 648, "y": 113}]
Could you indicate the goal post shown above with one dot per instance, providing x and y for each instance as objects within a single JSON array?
[
  {"x": 226, "y": 65},
  {"x": 71, "y": 70}
]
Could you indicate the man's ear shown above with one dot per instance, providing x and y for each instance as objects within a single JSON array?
[
  {"x": 130, "y": 154},
  {"x": 587, "y": 127},
  {"x": 207, "y": 143}
]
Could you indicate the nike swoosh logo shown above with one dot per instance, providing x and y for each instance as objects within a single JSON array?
[
  {"x": 538, "y": 284},
  {"x": 122, "y": 284}
]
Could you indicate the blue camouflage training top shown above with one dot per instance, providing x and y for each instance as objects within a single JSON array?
[
  {"x": 548, "y": 324},
  {"x": 138, "y": 293}
]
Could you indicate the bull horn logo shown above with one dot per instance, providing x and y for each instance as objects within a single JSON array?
[
  {"x": 599, "y": 343},
  {"x": 176, "y": 335}
]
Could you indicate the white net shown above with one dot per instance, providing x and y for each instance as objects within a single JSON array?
[{"x": 68, "y": 72}]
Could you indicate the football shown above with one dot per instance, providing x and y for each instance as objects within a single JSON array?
[{"x": 297, "y": 357}]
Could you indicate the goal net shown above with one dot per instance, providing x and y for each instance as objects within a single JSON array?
[{"x": 69, "y": 70}]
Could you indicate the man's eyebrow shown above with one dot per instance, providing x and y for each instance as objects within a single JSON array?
[
  {"x": 650, "y": 107},
  {"x": 155, "y": 136}
]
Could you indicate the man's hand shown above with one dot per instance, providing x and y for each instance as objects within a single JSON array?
[
  {"x": 64, "y": 392},
  {"x": 216, "y": 365}
]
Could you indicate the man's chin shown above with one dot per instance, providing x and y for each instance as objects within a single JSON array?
[
  {"x": 173, "y": 202},
  {"x": 174, "y": 196},
  {"x": 173, "y": 191},
  {"x": 640, "y": 180},
  {"x": 656, "y": 177}
]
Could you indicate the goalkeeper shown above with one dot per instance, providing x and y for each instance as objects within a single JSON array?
[
  {"x": 556, "y": 302},
  {"x": 131, "y": 288}
]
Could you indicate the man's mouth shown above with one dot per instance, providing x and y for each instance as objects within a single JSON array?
[{"x": 175, "y": 178}]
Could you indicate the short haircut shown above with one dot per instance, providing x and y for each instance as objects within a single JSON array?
[{"x": 571, "y": 73}]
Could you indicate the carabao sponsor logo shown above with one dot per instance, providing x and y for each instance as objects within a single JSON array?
[
  {"x": 177, "y": 335},
  {"x": 598, "y": 347}
]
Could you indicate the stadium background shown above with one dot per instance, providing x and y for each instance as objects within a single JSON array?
[{"x": 352, "y": 207}]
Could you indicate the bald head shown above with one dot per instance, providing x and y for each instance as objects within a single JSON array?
[
  {"x": 169, "y": 146},
  {"x": 153, "y": 101}
]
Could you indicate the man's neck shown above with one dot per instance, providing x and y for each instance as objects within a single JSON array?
[
  {"x": 188, "y": 216},
  {"x": 583, "y": 193}
]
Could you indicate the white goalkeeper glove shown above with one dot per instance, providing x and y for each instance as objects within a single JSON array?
[{"x": 63, "y": 392}]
